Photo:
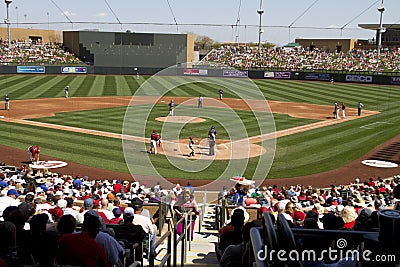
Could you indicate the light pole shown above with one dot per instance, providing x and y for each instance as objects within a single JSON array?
[
  {"x": 16, "y": 9},
  {"x": 8, "y": 2},
  {"x": 48, "y": 21},
  {"x": 381, "y": 9},
  {"x": 260, "y": 11}
]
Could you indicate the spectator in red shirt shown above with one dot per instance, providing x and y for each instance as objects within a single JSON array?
[
  {"x": 117, "y": 187},
  {"x": 349, "y": 216},
  {"x": 80, "y": 249}
]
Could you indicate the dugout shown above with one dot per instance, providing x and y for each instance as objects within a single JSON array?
[{"x": 128, "y": 49}]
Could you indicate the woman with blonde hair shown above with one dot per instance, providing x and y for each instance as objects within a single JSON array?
[
  {"x": 349, "y": 216},
  {"x": 186, "y": 203}
]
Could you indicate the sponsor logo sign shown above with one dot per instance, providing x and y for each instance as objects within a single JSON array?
[
  {"x": 379, "y": 163},
  {"x": 395, "y": 80},
  {"x": 195, "y": 72},
  {"x": 268, "y": 74},
  {"x": 359, "y": 78},
  {"x": 282, "y": 75},
  {"x": 51, "y": 164},
  {"x": 318, "y": 76},
  {"x": 73, "y": 69},
  {"x": 31, "y": 69},
  {"x": 235, "y": 73}
]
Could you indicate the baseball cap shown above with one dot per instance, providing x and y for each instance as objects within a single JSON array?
[
  {"x": 117, "y": 212},
  {"x": 88, "y": 202},
  {"x": 299, "y": 216},
  {"x": 3, "y": 184},
  {"x": 57, "y": 212},
  {"x": 129, "y": 211},
  {"x": 62, "y": 203},
  {"x": 13, "y": 192}
]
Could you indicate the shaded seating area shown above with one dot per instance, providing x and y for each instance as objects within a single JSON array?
[{"x": 280, "y": 245}]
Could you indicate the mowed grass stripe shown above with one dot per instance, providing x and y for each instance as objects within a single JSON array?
[
  {"x": 132, "y": 83},
  {"x": 19, "y": 89},
  {"x": 379, "y": 91},
  {"x": 303, "y": 94},
  {"x": 55, "y": 87},
  {"x": 122, "y": 87},
  {"x": 10, "y": 83},
  {"x": 282, "y": 92},
  {"x": 38, "y": 87},
  {"x": 110, "y": 86},
  {"x": 76, "y": 84},
  {"x": 319, "y": 154},
  {"x": 243, "y": 87},
  {"x": 97, "y": 87},
  {"x": 85, "y": 86},
  {"x": 320, "y": 98},
  {"x": 330, "y": 94}
]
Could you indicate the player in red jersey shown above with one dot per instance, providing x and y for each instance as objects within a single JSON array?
[
  {"x": 153, "y": 142},
  {"x": 34, "y": 152}
]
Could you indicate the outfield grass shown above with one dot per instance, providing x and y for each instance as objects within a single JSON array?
[{"x": 299, "y": 154}]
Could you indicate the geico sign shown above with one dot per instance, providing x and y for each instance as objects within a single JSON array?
[{"x": 359, "y": 78}]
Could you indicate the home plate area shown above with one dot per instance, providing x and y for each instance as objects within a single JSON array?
[{"x": 224, "y": 149}]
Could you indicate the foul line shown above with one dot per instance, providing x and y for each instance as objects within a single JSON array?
[{"x": 378, "y": 122}]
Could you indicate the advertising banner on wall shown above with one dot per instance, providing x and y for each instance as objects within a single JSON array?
[
  {"x": 318, "y": 76},
  {"x": 31, "y": 69},
  {"x": 269, "y": 74},
  {"x": 282, "y": 75},
  {"x": 195, "y": 72},
  {"x": 395, "y": 80},
  {"x": 359, "y": 78},
  {"x": 73, "y": 69},
  {"x": 235, "y": 73}
]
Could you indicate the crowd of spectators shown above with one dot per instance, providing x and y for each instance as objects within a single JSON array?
[
  {"x": 45, "y": 206},
  {"x": 351, "y": 207},
  {"x": 249, "y": 57},
  {"x": 25, "y": 52}
]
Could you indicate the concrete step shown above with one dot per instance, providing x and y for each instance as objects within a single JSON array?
[{"x": 200, "y": 251}]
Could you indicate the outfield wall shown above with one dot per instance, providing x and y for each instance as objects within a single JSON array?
[{"x": 392, "y": 79}]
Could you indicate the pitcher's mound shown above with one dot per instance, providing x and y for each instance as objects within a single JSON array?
[{"x": 180, "y": 119}]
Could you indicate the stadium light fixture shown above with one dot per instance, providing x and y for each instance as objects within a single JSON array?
[
  {"x": 381, "y": 9},
  {"x": 16, "y": 10},
  {"x": 8, "y": 2},
  {"x": 260, "y": 11}
]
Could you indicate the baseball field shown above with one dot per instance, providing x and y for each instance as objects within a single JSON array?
[{"x": 86, "y": 130}]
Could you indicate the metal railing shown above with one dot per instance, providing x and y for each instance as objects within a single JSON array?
[
  {"x": 166, "y": 259},
  {"x": 184, "y": 238},
  {"x": 257, "y": 245},
  {"x": 202, "y": 210}
]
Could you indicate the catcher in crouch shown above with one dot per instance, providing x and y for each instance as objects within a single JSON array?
[{"x": 34, "y": 152}]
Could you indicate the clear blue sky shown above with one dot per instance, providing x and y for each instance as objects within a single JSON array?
[{"x": 323, "y": 14}]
